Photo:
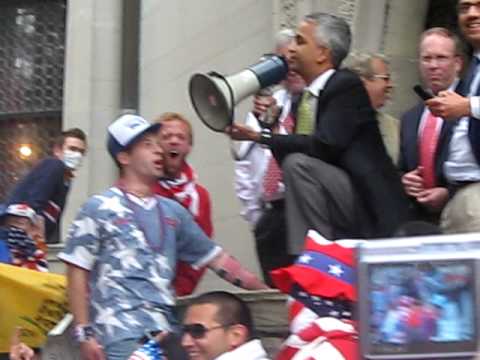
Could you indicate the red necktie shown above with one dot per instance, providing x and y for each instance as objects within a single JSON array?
[
  {"x": 273, "y": 175},
  {"x": 428, "y": 147}
]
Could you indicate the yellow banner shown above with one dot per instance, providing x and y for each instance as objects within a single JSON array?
[{"x": 31, "y": 300}]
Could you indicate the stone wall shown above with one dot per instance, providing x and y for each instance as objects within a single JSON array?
[{"x": 179, "y": 38}]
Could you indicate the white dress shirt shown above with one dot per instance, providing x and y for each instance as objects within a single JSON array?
[
  {"x": 317, "y": 85},
  {"x": 461, "y": 164},
  {"x": 250, "y": 170}
]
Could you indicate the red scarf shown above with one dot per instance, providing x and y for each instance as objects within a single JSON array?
[{"x": 182, "y": 189}]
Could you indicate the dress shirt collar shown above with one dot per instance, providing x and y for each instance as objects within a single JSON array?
[
  {"x": 454, "y": 84},
  {"x": 319, "y": 83}
]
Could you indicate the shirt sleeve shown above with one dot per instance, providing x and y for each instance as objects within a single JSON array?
[
  {"x": 83, "y": 243},
  {"x": 246, "y": 191},
  {"x": 193, "y": 245},
  {"x": 246, "y": 183},
  {"x": 40, "y": 185},
  {"x": 475, "y": 106}
]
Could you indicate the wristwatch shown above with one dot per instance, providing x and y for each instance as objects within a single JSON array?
[
  {"x": 83, "y": 333},
  {"x": 265, "y": 137}
]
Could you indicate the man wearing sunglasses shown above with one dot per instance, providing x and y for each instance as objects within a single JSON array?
[{"x": 219, "y": 326}]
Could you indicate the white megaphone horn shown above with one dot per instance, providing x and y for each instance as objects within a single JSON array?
[{"x": 214, "y": 96}]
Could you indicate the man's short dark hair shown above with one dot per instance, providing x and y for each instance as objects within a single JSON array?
[
  {"x": 231, "y": 309},
  {"x": 72, "y": 133}
]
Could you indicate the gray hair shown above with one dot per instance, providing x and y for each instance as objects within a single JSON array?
[
  {"x": 284, "y": 38},
  {"x": 361, "y": 63},
  {"x": 332, "y": 32}
]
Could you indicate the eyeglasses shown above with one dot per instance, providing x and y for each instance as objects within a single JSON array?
[
  {"x": 385, "y": 77},
  {"x": 198, "y": 331}
]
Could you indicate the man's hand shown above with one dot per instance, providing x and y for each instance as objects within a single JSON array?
[
  {"x": 449, "y": 105},
  {"x": 92, "y": 350},
  {"x": 242, "y": 132},
  {"x": 433, "y": 199},
  {"x": 261, "y": 104},
  {"x": 18, "y": 350},
  {"x": 413, "y": 182}
]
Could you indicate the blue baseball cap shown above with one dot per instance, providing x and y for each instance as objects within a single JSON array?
[{"x": 125, "y": 130}]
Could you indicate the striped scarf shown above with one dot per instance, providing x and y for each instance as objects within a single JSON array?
[{"x": 182, "y": 189}]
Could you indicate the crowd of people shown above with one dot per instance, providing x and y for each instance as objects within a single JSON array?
[{"x": 318, "y": 155}]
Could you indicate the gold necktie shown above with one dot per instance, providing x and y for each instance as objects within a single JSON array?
[{"x": 305, "y": 122}]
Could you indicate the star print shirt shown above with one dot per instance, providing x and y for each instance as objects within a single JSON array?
[{"x": 130, "y": 273}]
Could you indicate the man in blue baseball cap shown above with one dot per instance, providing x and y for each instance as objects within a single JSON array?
[{"x": 123, "y": 246}]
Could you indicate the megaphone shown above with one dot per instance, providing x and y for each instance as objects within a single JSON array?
[{"x": 214, "y": 96}]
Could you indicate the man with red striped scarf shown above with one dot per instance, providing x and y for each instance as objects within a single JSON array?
[
  {"x": 180, "y": 183},
  {"x": 322, "y": 289}
]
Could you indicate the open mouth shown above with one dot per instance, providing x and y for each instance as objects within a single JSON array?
[{"x": 173, "y": 154}]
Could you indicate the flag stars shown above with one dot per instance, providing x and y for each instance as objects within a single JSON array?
[
  {"x": 305, "y": 259},
  {"x": 335, "y": 270}
]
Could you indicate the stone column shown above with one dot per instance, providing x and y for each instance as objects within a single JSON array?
[{"x": 92, "y": 90}]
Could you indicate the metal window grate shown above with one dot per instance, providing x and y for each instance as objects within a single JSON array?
[
  {"x": 24, "y": 141},
  {"x": 32, "y": 46}
]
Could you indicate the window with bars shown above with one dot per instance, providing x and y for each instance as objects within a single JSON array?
[{"x": 32, "y": 48}]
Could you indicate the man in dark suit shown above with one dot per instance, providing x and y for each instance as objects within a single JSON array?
[
  {"x": 462, "y": 167},
  {"x": 339, "y": 179},
  {"x": 424, "y": 179}
]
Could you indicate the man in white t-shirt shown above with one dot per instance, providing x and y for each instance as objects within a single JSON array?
[{"x": 218, "y": 326}]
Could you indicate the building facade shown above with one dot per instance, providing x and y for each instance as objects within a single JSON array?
[{"x": 138, "y": 55}]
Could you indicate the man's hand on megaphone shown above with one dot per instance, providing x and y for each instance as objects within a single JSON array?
[
  {"x": 261, "y": 104},
  {"x": 242, "y": 132}
]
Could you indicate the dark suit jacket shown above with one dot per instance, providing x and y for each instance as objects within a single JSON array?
[
  {"x": 408, "y": 160},
  {"x": 347, "y": 136}
]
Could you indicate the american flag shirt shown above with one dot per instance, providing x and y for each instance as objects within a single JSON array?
[{"x": 130, "y": 275}]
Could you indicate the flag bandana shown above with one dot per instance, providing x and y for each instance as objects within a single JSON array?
[
  {"x": 322, "y": 289},
  {"x": 323, "y": 307},
  {"x": 325, "y": 269}
]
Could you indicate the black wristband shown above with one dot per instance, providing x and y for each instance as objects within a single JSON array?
[{"x": 265, "y": 137}]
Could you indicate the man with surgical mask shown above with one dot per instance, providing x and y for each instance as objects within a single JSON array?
[{"x": 46, "y": 186}]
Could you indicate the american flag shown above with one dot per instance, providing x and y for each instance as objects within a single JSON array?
[
  {"x": 314, "y": 337},
  {"x": 322, "y": 287},
  {"x": 149, "y": 351}
]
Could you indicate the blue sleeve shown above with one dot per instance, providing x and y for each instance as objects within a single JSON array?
[
  {"x": 5, "y": 256},
  {"x": 193, "y": 246},
  {"x": 4, "y": 253},
  {"x": 40, "y": 184},
  {"x": 83, "y": 244}
]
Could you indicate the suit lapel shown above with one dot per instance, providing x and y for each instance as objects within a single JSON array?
[{"x": 412, "y": 132}]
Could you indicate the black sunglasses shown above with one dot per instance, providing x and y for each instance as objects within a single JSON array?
[{"x": 198, "y": 331}]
